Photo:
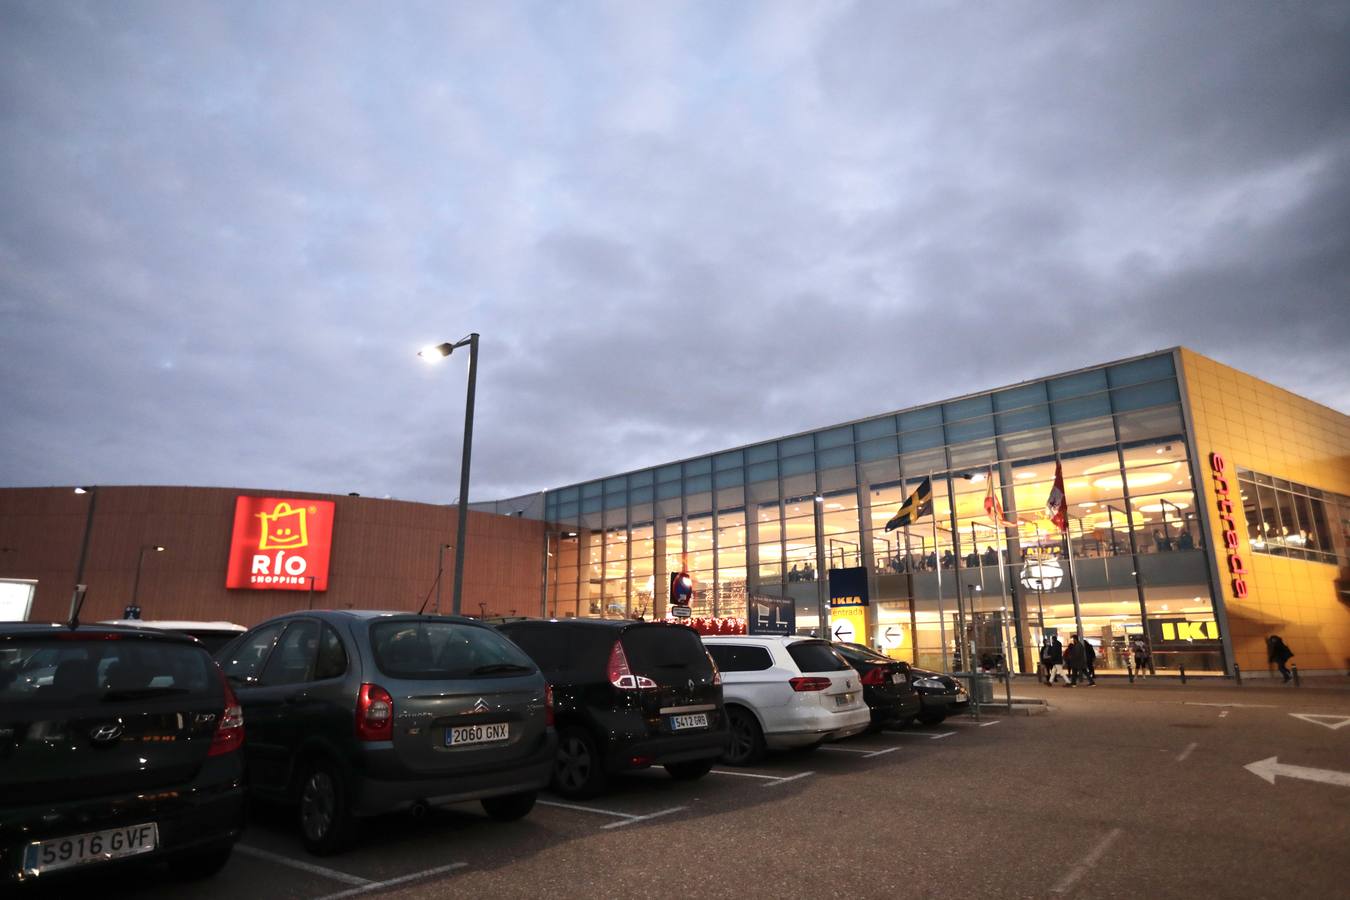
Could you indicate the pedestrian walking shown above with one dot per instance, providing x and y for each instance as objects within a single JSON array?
[
  {"x": 1057, "y": 662},
  {"x": 1279, "y": 654},
  {"x": 1073, "y": 656},
  {"x": 1046, "y": 653},
  {"x": 1090, "y": 662},
  {"x": 1143, "y": 657}
]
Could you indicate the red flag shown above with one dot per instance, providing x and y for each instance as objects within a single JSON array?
[
  {"x": 992, "y": 507},
  {"x": 1057, "y": 504}
]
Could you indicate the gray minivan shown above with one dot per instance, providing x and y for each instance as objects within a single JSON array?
[{"x": 358, "y": 713}]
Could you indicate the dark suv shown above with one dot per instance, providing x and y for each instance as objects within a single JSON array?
[
  {"x": 353, "y": 714},
  {"x": 887, "y": 687},
  {"x": 629, "y": 695},
  {"x": 115, "y": 744}
]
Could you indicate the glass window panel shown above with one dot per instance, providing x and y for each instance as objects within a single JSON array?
[
  {"x": 922, "y": 440},
  {"x": 800, "y": 444},
  {"x": 1018, "y": 397},
  {"x": 615, "y": 501},
  {"x": 729, "y": 478},
  {"x": 970, "y": 430},
  {"x": 762, "y": 453},
  {"x": 1086, "y": 434},
  {"x": 968, "y": 408},
  {"x": 1023, "y": 419},
  {"x": 640, "y": 512},
  {"x": 800, "y": 485},
  {"x": 1079, "y": 408},
  {"x": 698, "y": 483},
  {"x": 1271, "y": 541},
  {"x": 640, "y": 495},
  {"x": 618, "y": 483},
  {"x": 569, "y": 494},
  {"x": 590, "y": 490},
  {"x": 976, "y": 454},
  {"x": 668, "y": 473},
  {"x": 880, "y": 448},
  {"x": 875, "y": 428},
  {"x": 1320, "y": 538},
  {"x": 835, "y": 437},
  {"x": 916, "y": 419},
  {"x": 698, "y": 467},
  {"x": 731, "y": 528},
  {"x": 763, "y": 471},
  {"x": 835, "y": 456},
  {"x": 590, "y": 505},
  {"x": 1077, "y": 385},
  {"x": 796, "y": 465},
  {"x": 729, "y": 497},
  {"x": 770, "y": 529},
  {"x": 1150, "y": 423},
  {"x": 835, "y": 479},
  {"x": 733, "y": 459},
  {"x": 1141, "y": 370},
  {"x": 1145, "y": 395},
  {"x": 1247, "y": 493},
  {"x": 800, "y": 534},
  {"x": 668, "y": 489},
  {"x": 640, "y": 479},
  {"x": 568, "y": 510},
  {"x": 698, "y": 503},
  {"x": 916, "y": 464},
  {"x": 881, "y": 471},
  {"x": 1028, "y": 444}
]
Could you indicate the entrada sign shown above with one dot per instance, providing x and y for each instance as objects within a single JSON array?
[
  {"x": 1219, "y": 469},
  {"x": 280, "y": 544}
]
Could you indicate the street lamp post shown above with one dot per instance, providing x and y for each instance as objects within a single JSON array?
[
  {"x": 434, "y": 354},
  {"x": 140, "y": 560},
  {"x": 440, "y": 568},
  {"x": 84, "y": 548}
]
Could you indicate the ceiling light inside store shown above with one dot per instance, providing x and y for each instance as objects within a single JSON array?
[
  {"x": 1086, "y": 505},
  {"x": 1159, "y": 507},
  {"x": 1135, "y": 480},
  {"x": 1024, "y": 474}
]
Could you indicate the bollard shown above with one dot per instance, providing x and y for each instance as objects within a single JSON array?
[
  {"x": 1237, "y": 673},
  {"x": 1297, "y": 683},
  {"x": 1183, "y": 674}
]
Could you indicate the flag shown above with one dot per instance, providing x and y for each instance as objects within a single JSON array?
[
  {"x": 918, "y": 505},
  {"x": 993, "y": 508},
  {"x": 1057, "y": 504}
]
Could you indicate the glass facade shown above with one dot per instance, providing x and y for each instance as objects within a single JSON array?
[
  {"x": 774, "y": 518},
  {"x": 1285, "y": 518}
]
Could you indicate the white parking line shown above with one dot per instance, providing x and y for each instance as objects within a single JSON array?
[
  {"x": 1223, "y": 714},
  {"x": 1088, "y": 861},
  {"x": 380, "y": 885},
  {"x": 746, "y": 774},
  {"x": 845, "y": 749},
  {"x": 303, "y": 866},
  {"x": 789, "y": 778},
  {"x": 879, "y": 752},
  {"x": 631, "y": 819},
  {"x": 1181, "y": 757},
  {"x": 924, "y": 734}
]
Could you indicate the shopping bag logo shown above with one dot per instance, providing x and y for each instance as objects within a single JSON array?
[{"x": 283, "y": 528}]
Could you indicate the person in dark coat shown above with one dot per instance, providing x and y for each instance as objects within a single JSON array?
[
  {"x": 1074, "y": 658},
  {"x": 1047, "y": 658},
  {"x": 1090, "y": 662},
  {"x": 1056, "y": 662},
  {"x": 1279, "y": 654}
]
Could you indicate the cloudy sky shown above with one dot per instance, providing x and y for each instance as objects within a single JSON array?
[{"x": 226, "y": 228}]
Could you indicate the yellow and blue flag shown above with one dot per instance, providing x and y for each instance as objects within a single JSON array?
[{"x": 918, "y": 505}]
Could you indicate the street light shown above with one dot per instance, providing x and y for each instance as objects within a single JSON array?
[
  {"x": 433, "y": 354},
  {"x": 140, "y": 560},
  {"x": 440, "y": 567}
]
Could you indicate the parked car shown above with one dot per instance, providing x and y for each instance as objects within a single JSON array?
[
  {"x": 353, "y": 713},
  {"x": 211, "y": 635},
  {"x": 785, "y": 692},
  {"x": 128, "y": 749},
  {"x": 627, "y": 695},
  {"x": 887, "y": 689},
  {"x": 941, "y": 695}
]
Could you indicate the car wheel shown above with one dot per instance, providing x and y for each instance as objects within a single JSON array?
[
  {"x": 578, "y": 770},
  {"x": 747, "y": 740},
  {"x": 510, "y": 807},
  {"x": 688, "y": 771},
  {"x": 902, "y": 723},
  {"x": 932, "y": 718},
  {"x": 200, "y": 863},
  {"x": 326, "y": 822}
]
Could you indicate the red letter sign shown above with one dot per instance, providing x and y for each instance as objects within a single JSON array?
[{"x": 280, "y": 544}]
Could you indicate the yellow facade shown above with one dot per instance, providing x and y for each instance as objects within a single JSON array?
[{"x": 1258, "y": 426}]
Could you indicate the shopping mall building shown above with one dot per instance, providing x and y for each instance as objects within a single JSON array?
[{"x": 1208, "y": 510}]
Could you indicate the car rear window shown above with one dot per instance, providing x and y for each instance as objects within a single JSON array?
[
  {"x": 433, "y": 650},
  {"x": 816, "y": 656},
  {"x": 665, "y": 652},
  {"x": 56, "y": 673},
  {"x": 862, "y": 654},
  {"x": 740, "y": 657}
]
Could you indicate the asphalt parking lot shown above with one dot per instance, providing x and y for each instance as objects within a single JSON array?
[{"x": 1119, "y": 791}]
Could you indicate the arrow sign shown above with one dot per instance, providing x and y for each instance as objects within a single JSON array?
[
  {"x": 1269, "y": 768},
  {"x": 1332, "y": 722},
  {"x": 893, "y": 636},
  {"x": 844, "y": 631}
]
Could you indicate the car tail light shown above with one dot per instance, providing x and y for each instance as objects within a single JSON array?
[
  {"x": 621, "y": 676},
  {"x": 374, "y": 714},
  {"x": 640, "y": 761},
  {"x": 876, "y": 676},
  {"x": 229, "y": 735},
  {"x": 717, "y": 673},
  {"x": 549, "y": 718},
  {"x": 809, "y": 684}
]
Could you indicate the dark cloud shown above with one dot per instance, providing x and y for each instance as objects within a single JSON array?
[{"x": 227, "y": 228}]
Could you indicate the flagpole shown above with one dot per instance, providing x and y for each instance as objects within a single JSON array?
[
  {"x": 1073, "y": 578},
  {"x": 942, "y": 615},
  {"x": 1002, "y": 579}
]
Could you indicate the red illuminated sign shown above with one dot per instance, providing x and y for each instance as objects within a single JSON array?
[
  {"x": 280, "y": 544},
  {"x": 1219, "y": 468}
]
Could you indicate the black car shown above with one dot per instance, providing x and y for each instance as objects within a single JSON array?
[
  {"x": 887, "y": 689},
  {"x": 353, "y": 714},
  {"x": 116, "y": 744},
  {"x": 629, "y": 695},
  {"x": 941, "y": 695}
]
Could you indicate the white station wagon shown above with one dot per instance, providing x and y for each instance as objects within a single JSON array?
[{"x": 784, "y": 692}]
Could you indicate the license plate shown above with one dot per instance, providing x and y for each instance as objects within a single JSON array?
[
  {"x": 694, "y": 720},
  {"x": 897, "y": 678},
  {"x": 93, "y": 846},
  {"x": 843, "y": 699},
  {"x": 477, "y": 734}
]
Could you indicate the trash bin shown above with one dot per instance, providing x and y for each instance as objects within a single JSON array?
[{"x": 982, "y": 688}]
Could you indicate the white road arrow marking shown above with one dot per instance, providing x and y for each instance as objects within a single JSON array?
[
  {"x": 1334, "y": 723},
  {"x": 1269, "y": 768}
]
